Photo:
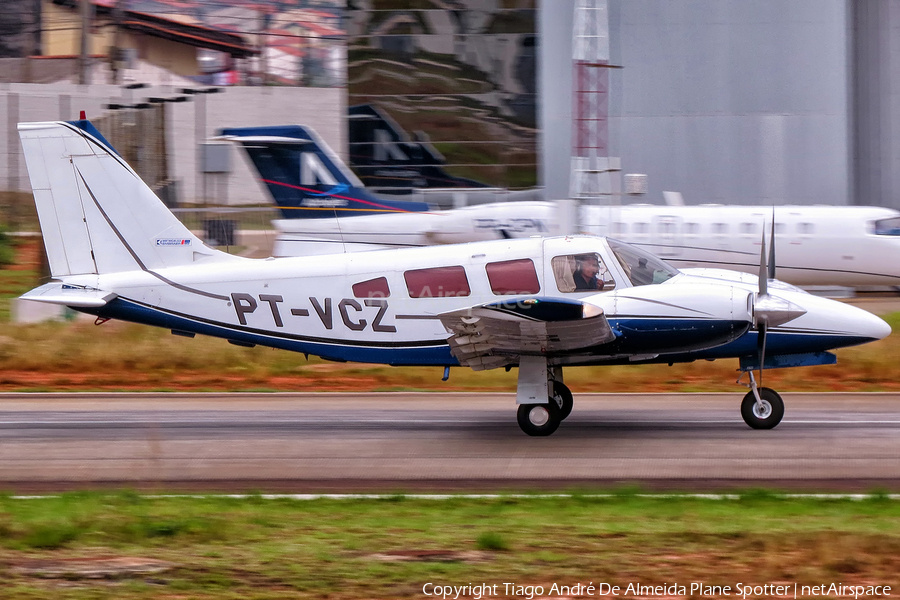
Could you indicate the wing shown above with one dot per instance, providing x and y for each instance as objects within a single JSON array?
[{"x": 494, "y": 335}]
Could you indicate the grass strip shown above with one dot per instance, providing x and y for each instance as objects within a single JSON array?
[
  {"x": 123, "y": 356},
  {"x": 389, "y": 547},
  {"x": 78, "y": 356}
]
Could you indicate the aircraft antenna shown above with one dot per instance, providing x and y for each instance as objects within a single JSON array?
[{"x": 340, "y": 231}]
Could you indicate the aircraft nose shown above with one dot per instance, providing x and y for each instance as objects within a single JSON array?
[{"x": 867, "y": 325}]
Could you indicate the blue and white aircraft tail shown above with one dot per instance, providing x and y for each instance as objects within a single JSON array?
[
  {"x": 316, "y": 192},
  {"x": 306, "y": 178}
]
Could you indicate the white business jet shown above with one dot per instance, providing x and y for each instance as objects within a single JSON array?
[
  {"x": 324, "y": 205},
  {"x": 541, "y": 305}
]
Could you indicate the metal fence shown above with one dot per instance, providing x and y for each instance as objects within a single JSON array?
[{"x": 139, "y": 136}]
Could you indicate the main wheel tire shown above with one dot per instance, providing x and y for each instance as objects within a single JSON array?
[
  {"x": 539, "y": 419},
  {"x": 563, "y": 398},
  {"x": 766, "y": 416}
]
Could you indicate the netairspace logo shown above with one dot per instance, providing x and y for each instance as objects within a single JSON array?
[
  {"x": 172, "y": 242},
  {"x": 477, "y": 591}
]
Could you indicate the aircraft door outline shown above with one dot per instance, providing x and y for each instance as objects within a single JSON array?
[{"x": 667, "y": 230}]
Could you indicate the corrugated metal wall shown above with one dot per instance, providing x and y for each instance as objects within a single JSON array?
[
  {"x": 731, "y": 101},
  {"x": 876, "y": 102}
]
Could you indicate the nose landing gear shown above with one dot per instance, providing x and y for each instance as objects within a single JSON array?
[{"x": 762, "y": 407}]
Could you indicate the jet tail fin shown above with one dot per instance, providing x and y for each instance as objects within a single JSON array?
[
  {"x": 306, "y": 178},
  {"x": 96, "y": 214}
]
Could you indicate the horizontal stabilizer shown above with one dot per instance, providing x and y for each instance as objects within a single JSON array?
[
  {"x": 263, "y": 139},
  {"x": 69, "y": 295}
]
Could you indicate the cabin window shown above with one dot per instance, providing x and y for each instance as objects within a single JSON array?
[
  {"x": 665, "y": 227},
  {"x": 806, "y": 228},
  {"x": 641, "y": 228},
  {"x": 748, "y": 228},
  {"x": 620, "y": 228},
  {"x": 581, "y": 273},
  {"x": 513, "y": 277},
  {"x": 437, "y": 282},
  {"x": 780, "y": 228},
  {"x": 373, "y": 288},
  {"x": 720, "y": 228},
  {"x": 888, "y": 226},
  {"x": 691, "y": 228}
]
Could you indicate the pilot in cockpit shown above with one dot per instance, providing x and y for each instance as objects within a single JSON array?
[{"x": 587, "y": 267}]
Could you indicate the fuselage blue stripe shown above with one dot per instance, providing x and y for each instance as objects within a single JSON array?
[
  {"x": 408, "y": 356},
  {"x": 673, "y": 338}
]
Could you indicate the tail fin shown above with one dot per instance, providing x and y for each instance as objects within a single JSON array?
[
  {"x": 97, "y": 215},
  {"x": 387, "y": 158},
  {"x": 306, "y": 178}
]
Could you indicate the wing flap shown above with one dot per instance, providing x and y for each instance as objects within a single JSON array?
[
  {"x": 66, "y": 294},
  {"x": 495, "y": 335}
]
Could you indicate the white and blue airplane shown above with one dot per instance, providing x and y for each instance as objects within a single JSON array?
[
  {"x": 323, "y": 206},
  {"x": 539, "y": 304}
]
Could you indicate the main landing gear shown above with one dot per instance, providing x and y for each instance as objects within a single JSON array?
[
  {"x": 762, "y": 407},
  {"x": 544, "y": 400}
]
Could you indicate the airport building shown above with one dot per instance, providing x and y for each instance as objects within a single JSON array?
[{"x": 726, "y": 101}]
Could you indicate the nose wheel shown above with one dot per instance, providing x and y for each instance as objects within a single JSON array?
[
  {"x": 762, "y": 407},
  {"x": 765, "y": 413}
]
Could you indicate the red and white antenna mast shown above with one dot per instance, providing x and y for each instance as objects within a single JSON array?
[{"x": 594, "y": 173}]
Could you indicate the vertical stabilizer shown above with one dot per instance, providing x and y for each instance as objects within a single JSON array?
[
  {"x": 96, "y": 214},
  {"x": 306, "y": 178}
]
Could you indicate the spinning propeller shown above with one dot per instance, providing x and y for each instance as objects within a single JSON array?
[{"x": 769, "y": 311}]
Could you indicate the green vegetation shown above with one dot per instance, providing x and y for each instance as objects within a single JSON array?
[
  {"x": 491, "y": 540},
  {"x": 17, "y": 211},
  {"x": 7, "y": 252},
  {"x": 256, "y": 548}
]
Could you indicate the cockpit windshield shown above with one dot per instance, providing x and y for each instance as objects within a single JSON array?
[
  {"x": 889, "y": 226},
  {"x": 642, "y": 268}
]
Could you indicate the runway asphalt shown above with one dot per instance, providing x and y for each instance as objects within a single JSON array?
[{"x": 337, "y": 442}]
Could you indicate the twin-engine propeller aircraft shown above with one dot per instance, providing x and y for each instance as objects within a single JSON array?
[{"x": 541, "y": 304}]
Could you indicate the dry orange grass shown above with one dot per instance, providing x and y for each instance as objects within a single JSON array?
[
  {"x": 81, "y": 356},
  {"x": 122, "y": 356}
]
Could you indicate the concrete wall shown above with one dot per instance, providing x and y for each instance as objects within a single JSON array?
[
  {"x": 732, "y": 101},
  {"x": 323, "y": 108}
]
